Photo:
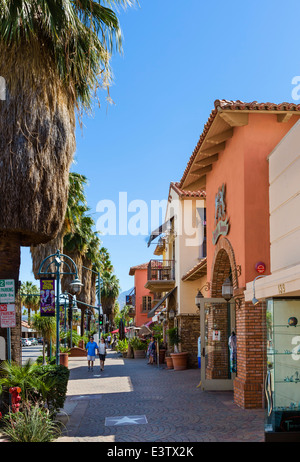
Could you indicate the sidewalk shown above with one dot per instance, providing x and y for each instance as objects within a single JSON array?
[{"x": 131, "y": 401}]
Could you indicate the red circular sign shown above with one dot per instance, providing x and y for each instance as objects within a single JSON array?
[{"x": 260, "y": 267}]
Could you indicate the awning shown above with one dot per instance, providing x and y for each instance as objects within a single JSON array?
[
  {"x": 158, "y": 231},
  {"x": 197, "y": 272},
  {"x": 117, "y": 330},
  {"x": 152, "y": 312}
]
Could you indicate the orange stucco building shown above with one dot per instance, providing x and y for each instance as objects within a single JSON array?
[
  {"x": 230, "y": 163},
  {"x": 143, "y": 297}
]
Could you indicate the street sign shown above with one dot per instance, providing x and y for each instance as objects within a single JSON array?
[
  {"x": 8, "y": 319},
  {"x": 7, "y": 307},
  {"x": 7, "y": 291}
]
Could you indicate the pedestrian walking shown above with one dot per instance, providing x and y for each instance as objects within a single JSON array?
[
  {"x": 108, "y": 340},
  {"x": 152, "y": 350},
  {"x": 232, "y": 343},
  {"x": 91, "y": 348},
  {"x": 102, "y": 353}
]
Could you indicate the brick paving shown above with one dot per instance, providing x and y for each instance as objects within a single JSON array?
[{"x": 174, "y": 408}]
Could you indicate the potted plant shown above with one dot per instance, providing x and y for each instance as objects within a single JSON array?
[
  {"x": 138, "y": 347},
  {"x": 122, "y": 347},
  {"x": 64, "y": 356},
  {"x": 158, "y": 336},
  {"x": 179, "y": 359}
]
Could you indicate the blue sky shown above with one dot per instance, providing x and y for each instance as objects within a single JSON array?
[{"x": 179, "y": 57}]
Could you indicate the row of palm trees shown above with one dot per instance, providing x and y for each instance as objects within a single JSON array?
[
  {"x": 54, "y": 57},
  {"x": 78, "y": 240}
]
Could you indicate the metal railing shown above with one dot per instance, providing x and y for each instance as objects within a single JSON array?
[{"x": 160, "y": 270}]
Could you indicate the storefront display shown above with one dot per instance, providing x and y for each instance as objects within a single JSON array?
[{"x": 282, "y": 385}]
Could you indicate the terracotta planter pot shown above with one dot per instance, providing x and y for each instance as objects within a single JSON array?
[
  {"x": 139, "y": 354},
  {"x": 169, "y": 362},
  {"x": 179, "y": 361},
  {"x": 64, "y": 359}
]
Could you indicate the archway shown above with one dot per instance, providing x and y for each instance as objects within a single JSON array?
[{"x": 223, "y": 266}]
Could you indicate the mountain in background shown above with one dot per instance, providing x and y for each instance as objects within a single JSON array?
[{"x": 122, "y": 298}]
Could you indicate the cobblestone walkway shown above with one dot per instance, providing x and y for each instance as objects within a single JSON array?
[{"x": 170, "y": 403}]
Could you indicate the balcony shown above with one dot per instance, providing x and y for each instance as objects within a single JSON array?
[{"x": 161, "y": 275}]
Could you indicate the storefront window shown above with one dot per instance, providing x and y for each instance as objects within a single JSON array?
[{"x": 282, "y": 386}]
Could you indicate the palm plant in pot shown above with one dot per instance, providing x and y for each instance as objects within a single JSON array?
[
  {"x": 139, "y": 347},
  {"x": 179, "y": 359}
]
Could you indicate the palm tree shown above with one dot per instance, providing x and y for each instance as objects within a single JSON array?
[
  {"x": 29, "y": 297},
  {"x": 76, "y": 206},
  {"x": 47, "y": 328},
  {"x": 53, "y": 57},
  {"x": 109, "y": 293}
]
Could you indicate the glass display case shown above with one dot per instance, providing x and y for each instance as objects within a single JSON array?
[{"x": 282, "y": 384}]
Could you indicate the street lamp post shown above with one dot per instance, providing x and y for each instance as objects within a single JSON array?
[{"x": 59, "y": 260}]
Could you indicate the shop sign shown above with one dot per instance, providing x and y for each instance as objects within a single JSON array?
[
  {"x": 7, "y": 291},
  {"x": 221, "y": 221},
  {"x": 216, "y": 335},
  {"x": 260, "y": 267},
  {"x": 47, "y": 291}
]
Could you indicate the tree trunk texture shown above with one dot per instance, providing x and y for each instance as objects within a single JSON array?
[
  {"x": 37, "y": 143},
  {"x": 42, "y": 251}
]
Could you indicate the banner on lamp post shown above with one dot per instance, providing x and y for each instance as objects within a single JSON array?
[{"x": 47, "y": 291}]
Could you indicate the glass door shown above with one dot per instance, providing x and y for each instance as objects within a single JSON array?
[{"x": 217, "y": 321}]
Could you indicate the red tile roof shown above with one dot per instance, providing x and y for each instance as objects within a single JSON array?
[
  {"x": 223, "y": 104},
  {"x": 138, "y": 267},
  {"x": 182, "y": 193}
]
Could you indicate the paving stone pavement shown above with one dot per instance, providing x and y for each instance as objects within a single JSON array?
[{"x": 174, "y": 408}]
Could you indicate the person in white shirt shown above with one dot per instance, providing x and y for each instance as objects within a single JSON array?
[{"x": 102, "y": 353}]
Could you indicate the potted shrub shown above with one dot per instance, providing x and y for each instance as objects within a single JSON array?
[
  {"x": 158, "y": 336},
  {"x": 64, "y": 356},
  {"x": 179, "y": 359},
  {"x": 122, "y": 347},
  {"x": 138, "y": 347}
]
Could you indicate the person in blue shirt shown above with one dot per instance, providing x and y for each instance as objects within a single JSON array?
[{"x": 91, "y": 348}]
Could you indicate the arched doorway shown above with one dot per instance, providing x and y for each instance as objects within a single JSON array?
[{"x": 217, "y": 321}]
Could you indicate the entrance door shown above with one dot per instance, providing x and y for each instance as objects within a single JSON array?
[{"x": 217, "y": 320}]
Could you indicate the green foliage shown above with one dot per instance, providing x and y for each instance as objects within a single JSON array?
[
  {"x": 122, "y": 346},
  {"x": 38, "y": 383},
  {"x": 77, "y": 37},
  {"x": 32, "y": 424},
  {"x": 173, "y": 335},
  {"x": 14, "y": 375},
  {"x": 137, "y": 344},
  {"x": 57, "y": 377},
  {"x": 158, "y": 333}
]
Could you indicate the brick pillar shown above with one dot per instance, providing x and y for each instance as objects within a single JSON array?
[
  {"x": 189, "y": 331},
  {"x": 251, "y": 355}
]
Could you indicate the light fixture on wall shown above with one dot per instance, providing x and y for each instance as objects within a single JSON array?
[
  {"x": 199, "y": 295},
  {"x": 255, "y": 301},
  {"x": 171, "y": 314},
  {"x": 198, "y": 298},
  {"x": 227, "y": 289}
]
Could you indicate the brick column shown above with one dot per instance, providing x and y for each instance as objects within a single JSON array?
[
  {"x": 251, "y": 355},
  {"x": 189, "y": 331}
]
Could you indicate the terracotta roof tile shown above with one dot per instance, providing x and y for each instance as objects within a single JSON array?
[
  {"x": 182, "y": 193},
  {"x": 224, "y": 104},
  {"x": 138, "y": 267}
]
